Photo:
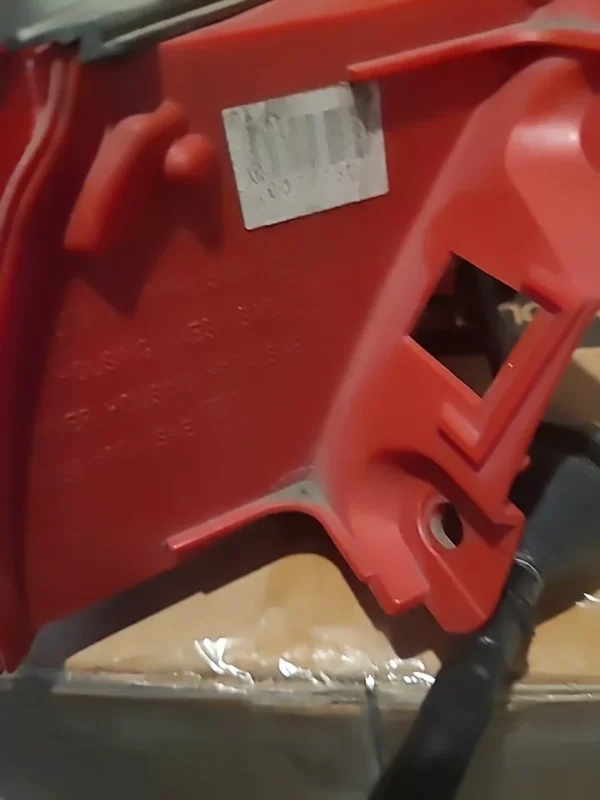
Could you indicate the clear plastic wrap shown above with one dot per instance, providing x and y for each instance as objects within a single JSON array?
[
  {"x": 266, "y": 664},
  {"x": 297, "y": 624},
  {"x": 297, "y": 630},
  {"x": 286, "y": 677}
]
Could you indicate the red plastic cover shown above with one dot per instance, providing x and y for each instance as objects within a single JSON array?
[{"x": 173, "y": 368}]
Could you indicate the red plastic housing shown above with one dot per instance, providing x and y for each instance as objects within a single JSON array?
[{"x": 168, "y": 375}]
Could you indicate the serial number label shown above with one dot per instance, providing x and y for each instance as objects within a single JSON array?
[{"x": 308, "y": 152}]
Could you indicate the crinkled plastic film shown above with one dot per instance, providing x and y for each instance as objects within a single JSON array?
[
  {"x": 272, "y": 613},
  {"x": 297, "y": 631},
  {"x": 298, "y": 621}
]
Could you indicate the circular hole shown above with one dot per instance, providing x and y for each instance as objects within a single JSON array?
[{"x": 446, "y": 526}]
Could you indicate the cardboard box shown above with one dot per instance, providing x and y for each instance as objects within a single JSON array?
[{"x": 245, "y": 671}]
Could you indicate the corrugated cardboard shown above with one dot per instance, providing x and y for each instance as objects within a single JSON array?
[{"x": 246, "y": 671}]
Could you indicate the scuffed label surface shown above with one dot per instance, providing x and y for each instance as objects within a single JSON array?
[{"x": 308, "y": 152}]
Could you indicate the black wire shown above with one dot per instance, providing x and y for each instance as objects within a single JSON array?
[{"x": 439, "y": 746}]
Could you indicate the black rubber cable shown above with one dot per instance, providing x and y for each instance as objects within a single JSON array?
[
  {"x": 560, "y": 494},
  {"x": 440, "y": 744},
  {"x": 561, "y": 537}
]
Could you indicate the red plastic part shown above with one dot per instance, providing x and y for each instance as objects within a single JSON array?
[{"x": 169, "y": 376}]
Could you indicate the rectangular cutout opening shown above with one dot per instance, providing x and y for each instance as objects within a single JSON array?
[{"x": 471, "y": 323}]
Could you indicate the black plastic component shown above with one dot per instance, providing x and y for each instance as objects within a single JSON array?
[{"x": 561, "y": 492}]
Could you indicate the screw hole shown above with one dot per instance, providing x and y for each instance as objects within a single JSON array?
[{"x": 446, "y": 526}]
